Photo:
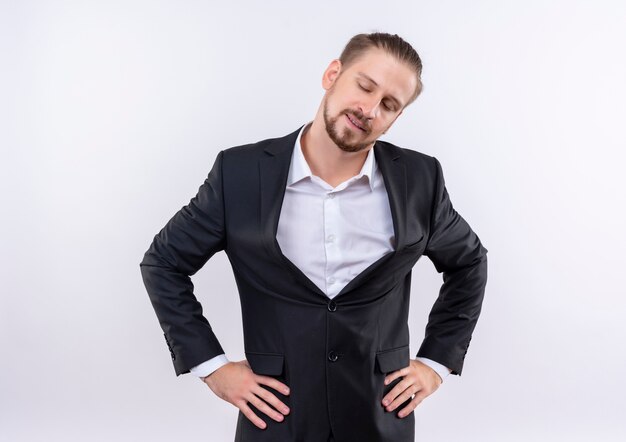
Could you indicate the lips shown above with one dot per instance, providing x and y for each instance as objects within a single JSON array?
[{"x": 355, "y": 122}]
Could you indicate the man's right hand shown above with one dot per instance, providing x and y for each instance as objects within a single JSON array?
[{"x": 236, "y": 383}]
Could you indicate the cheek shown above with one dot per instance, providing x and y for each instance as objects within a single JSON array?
[
  {"x": 334, "y": 106},
  {"x": 387, "y": 123},
  {"x": 380, "y": 128}
]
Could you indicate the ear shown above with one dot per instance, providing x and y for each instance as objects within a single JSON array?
[{"x": 331, "y": 74}]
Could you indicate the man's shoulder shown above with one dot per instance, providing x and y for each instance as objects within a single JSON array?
[
  {"x": 249, "y": 148},
  {"x": 256, "y": 149},
  {"x": 411, "y": 157}
]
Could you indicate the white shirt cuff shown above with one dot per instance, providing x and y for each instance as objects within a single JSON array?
[
  {"x": 208, "y": 367},
  {"x": 440, "y": 369}
]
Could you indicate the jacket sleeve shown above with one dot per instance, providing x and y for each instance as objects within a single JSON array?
[
  {"x": 194, "y": 234},
  {"x": 456, "y": 251}
]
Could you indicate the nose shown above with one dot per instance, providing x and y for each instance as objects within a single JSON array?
[{"x": 370, "y": 107}]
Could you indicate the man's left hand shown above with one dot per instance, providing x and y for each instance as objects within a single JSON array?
[{"x": 419, "y": 381}]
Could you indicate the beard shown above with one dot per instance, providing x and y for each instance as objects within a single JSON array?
[{"x": 348, "y": 141}]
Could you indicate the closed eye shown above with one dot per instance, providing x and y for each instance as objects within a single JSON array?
[{"x": 389, "y": 108}]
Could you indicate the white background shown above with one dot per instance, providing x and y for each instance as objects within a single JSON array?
[{"x": 112, "y": 113}]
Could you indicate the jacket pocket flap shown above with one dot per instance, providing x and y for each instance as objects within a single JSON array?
[
  {"x": 270, "y": 364},
  {"x": 392, "y": 360}
]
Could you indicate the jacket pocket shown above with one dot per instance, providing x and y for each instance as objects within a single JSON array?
[
  {"x": 270, "y": 364},
  {"x": 393, "y": 359}
]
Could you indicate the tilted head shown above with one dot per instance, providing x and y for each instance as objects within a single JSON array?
[{"x": 368, "y": 87}]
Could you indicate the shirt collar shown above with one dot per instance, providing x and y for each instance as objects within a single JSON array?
[{"x": 299, "y": 168}]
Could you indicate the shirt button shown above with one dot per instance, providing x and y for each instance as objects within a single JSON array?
[
  {"x": 331, "y": 237},
  {"x": 331, "y": 195},
  {"x": 331, "y": 280},
  {"x": 332, "y": 356}
]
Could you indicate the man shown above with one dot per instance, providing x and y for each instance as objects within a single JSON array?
[{"x": 322, "y": 228}]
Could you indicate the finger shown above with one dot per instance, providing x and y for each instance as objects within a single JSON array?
[
  {"x": 396, "y": 391},
  {"x": 271, "y": 399},
  {"x": 403, "y": 397},
  {"x": 419, "y": 397},
  {"x": 396, "y": 374},
  {"x": 263, "y": 407},
  {"x": 271, "y": 382},
  {"x": 247, "y": 412}
]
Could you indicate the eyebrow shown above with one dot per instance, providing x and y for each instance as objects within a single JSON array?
[{"x": 368, "y": 78}]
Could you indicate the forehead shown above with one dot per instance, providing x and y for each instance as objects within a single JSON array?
[{"x": 386, "y": 71}]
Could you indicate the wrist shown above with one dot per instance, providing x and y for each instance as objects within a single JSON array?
[
  {"x": 206, "y": 368},
  {"x": 441, "y": 370}
]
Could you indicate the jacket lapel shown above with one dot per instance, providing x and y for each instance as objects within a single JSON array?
[
  {"x": 393, "y": 170},
  {"x": 274, "y": 170}
]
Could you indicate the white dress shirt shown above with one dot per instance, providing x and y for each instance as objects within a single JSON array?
[{"x": 332, "y": 233}]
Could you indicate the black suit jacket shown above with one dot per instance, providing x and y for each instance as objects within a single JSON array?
[{"x": 333, "y": 354}]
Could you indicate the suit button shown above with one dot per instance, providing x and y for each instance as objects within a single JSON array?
[
  {"x": 332, "y": 306},
  {"x": 332, "y": 356}
]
